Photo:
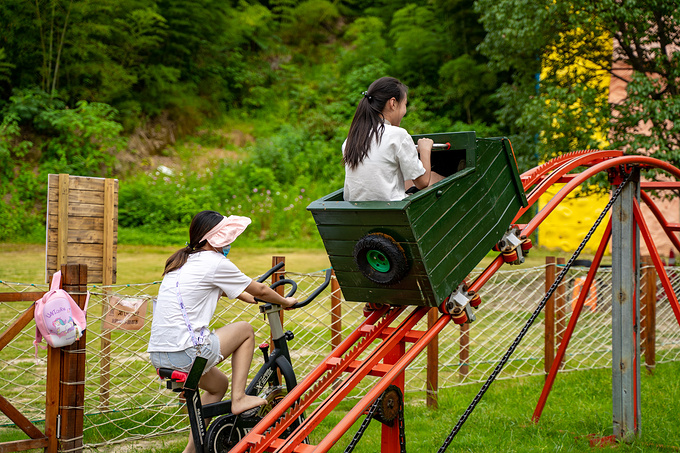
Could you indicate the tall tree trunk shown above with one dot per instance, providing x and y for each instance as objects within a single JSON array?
[{"x": 61, "y": 46}]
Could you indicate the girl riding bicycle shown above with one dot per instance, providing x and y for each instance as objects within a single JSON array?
[{"x": 194, "y": 278}]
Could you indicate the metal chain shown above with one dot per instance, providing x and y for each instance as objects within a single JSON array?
[
  {"x": 357, "y": 436},
  {"x": 402, "y": 428},
  {"x": 364, "y": 425},
  {"x": 531, "y": 320}
]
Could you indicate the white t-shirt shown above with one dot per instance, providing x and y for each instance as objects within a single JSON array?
[
  {"x": 381, "y": 175},
  {"x": 203, "y": 279}
]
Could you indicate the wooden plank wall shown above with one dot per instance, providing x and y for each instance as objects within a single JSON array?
[{"x": 84, "y": 229}]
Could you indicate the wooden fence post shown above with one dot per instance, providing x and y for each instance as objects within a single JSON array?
[
  {"x": 62, "y": 221},
  {"x": 648, "y": 314},
  {"x": 432, "y": 362},
  {"x": 549, "y": 352},
  {"x": 464, "y": 352},
  {"x": 276, "y": 276},
  {"x": 72, "y": 384},
  {"x": 336, "y": 313},
  {"x": 560, "y": 308},
  {"x": 52, "y": 398},
  {"x": 108, "y": 273}
]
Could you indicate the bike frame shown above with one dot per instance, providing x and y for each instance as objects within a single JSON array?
[{"x": 279, "y": 359}]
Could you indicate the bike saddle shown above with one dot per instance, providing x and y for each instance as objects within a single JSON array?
[
  {"x": 190, "y": 379},
  {"x": 169, "y": 373}
]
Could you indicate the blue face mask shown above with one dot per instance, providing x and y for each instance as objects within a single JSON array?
[{"x": 225, "y": 250}]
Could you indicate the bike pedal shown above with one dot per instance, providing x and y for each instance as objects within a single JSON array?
[{"x": 250, "y": 413}]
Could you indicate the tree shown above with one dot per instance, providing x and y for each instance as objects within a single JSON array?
[
  {"x": 567, "y": 46},
  {"x": 418, "y": 48}
]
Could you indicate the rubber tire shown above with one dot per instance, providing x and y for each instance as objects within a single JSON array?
[
  {"x": 217, "y": 438},
  {"x": 459, "y": 318},
  {"x": 390, "y": 249}
]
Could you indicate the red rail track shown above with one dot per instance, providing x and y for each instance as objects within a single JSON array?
[{"x": 342, "y": 368}]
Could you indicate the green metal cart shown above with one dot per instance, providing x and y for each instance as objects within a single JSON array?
[{"x": 419, "y": 250}]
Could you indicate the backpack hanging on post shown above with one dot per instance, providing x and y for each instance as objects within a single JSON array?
[{"x": 58, "y": 318}]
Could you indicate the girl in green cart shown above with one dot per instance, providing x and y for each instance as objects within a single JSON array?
[{"x": 380, "y": 159}]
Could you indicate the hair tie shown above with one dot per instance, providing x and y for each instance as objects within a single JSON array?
[
  {"x": 365, "y": 93},
  {"x": 191, "y": 249}
]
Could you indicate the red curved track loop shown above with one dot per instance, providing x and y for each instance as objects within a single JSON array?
[
  {"x": 603, "y": 164},
  {"x": 532, "y": 176},
  {"x": 345, "y": 367}
]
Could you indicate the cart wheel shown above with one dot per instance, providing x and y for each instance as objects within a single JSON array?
[
  {"x": 510, "y": 257},
  {"x": 459, "y": 316},
  {"x": 476, "y": 299},
  {"x": 380, "y": 259},
  {"x": 443, "y": 307},
  {"x": 370, "y": 307},
  {"x": 526, "y": 244}
]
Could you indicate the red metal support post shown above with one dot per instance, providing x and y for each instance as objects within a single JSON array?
[
  {"x": 432, "y": 363},
  {"x": 561, "y": 351}
]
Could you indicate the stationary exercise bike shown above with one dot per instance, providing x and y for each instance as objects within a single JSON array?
[{"x": 227, "y": 429}]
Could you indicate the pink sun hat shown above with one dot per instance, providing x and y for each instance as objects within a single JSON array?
[{"x": 226, "y": 232}]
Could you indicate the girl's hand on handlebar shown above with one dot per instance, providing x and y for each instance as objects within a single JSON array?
[
  {"x": 425, "y": 145},
  {"x": 290, "y": 301}
]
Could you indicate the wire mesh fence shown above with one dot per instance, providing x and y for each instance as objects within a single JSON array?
[{"x": 125, "y": 401}]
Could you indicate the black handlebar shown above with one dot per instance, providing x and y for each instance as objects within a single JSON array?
[
  {"x": 286, "y": 281},
  {"x": 316, "y": 292},
  {"x": 266, "y": 275}
]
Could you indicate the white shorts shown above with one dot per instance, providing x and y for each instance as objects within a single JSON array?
[{"x": 183, "y": 360}]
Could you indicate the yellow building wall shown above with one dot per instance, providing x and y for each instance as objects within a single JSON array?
[{"x": 568, "y": 224}]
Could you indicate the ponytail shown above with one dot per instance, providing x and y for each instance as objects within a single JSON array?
[
  {"x": 202, "y": 222},
  {"x": 368, "y": 123},
  {"x": 179, "y": 258}
]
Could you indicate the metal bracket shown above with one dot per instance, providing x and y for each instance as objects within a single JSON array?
[
  {"x": 510, "y": 243},
  {"x": 460, "y": 299}
]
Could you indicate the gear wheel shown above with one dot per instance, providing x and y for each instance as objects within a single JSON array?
[{"x": 390, "y": 405}]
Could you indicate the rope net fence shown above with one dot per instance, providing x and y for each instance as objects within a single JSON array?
[{"x": 125, "y": 401}]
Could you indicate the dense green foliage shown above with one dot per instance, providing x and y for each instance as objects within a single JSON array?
[
  {"x": 570, "y": 45},
  {"x": 79, "y": 77}
]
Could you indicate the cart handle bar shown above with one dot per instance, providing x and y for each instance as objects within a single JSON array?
[{"x": 440, "y": 146}]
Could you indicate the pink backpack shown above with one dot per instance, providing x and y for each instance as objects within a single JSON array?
[{"x": 58, "y": 318}]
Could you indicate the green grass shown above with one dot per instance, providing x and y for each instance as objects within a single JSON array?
[
  {"x": 501, "y": 422},
  {"x": 25, "y": 263},
  {"x": 579, "y": 405}
]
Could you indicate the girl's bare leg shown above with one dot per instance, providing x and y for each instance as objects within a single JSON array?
[
  {"x": 238, "y": 340},
  {"x": 435, "y": 177}
]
